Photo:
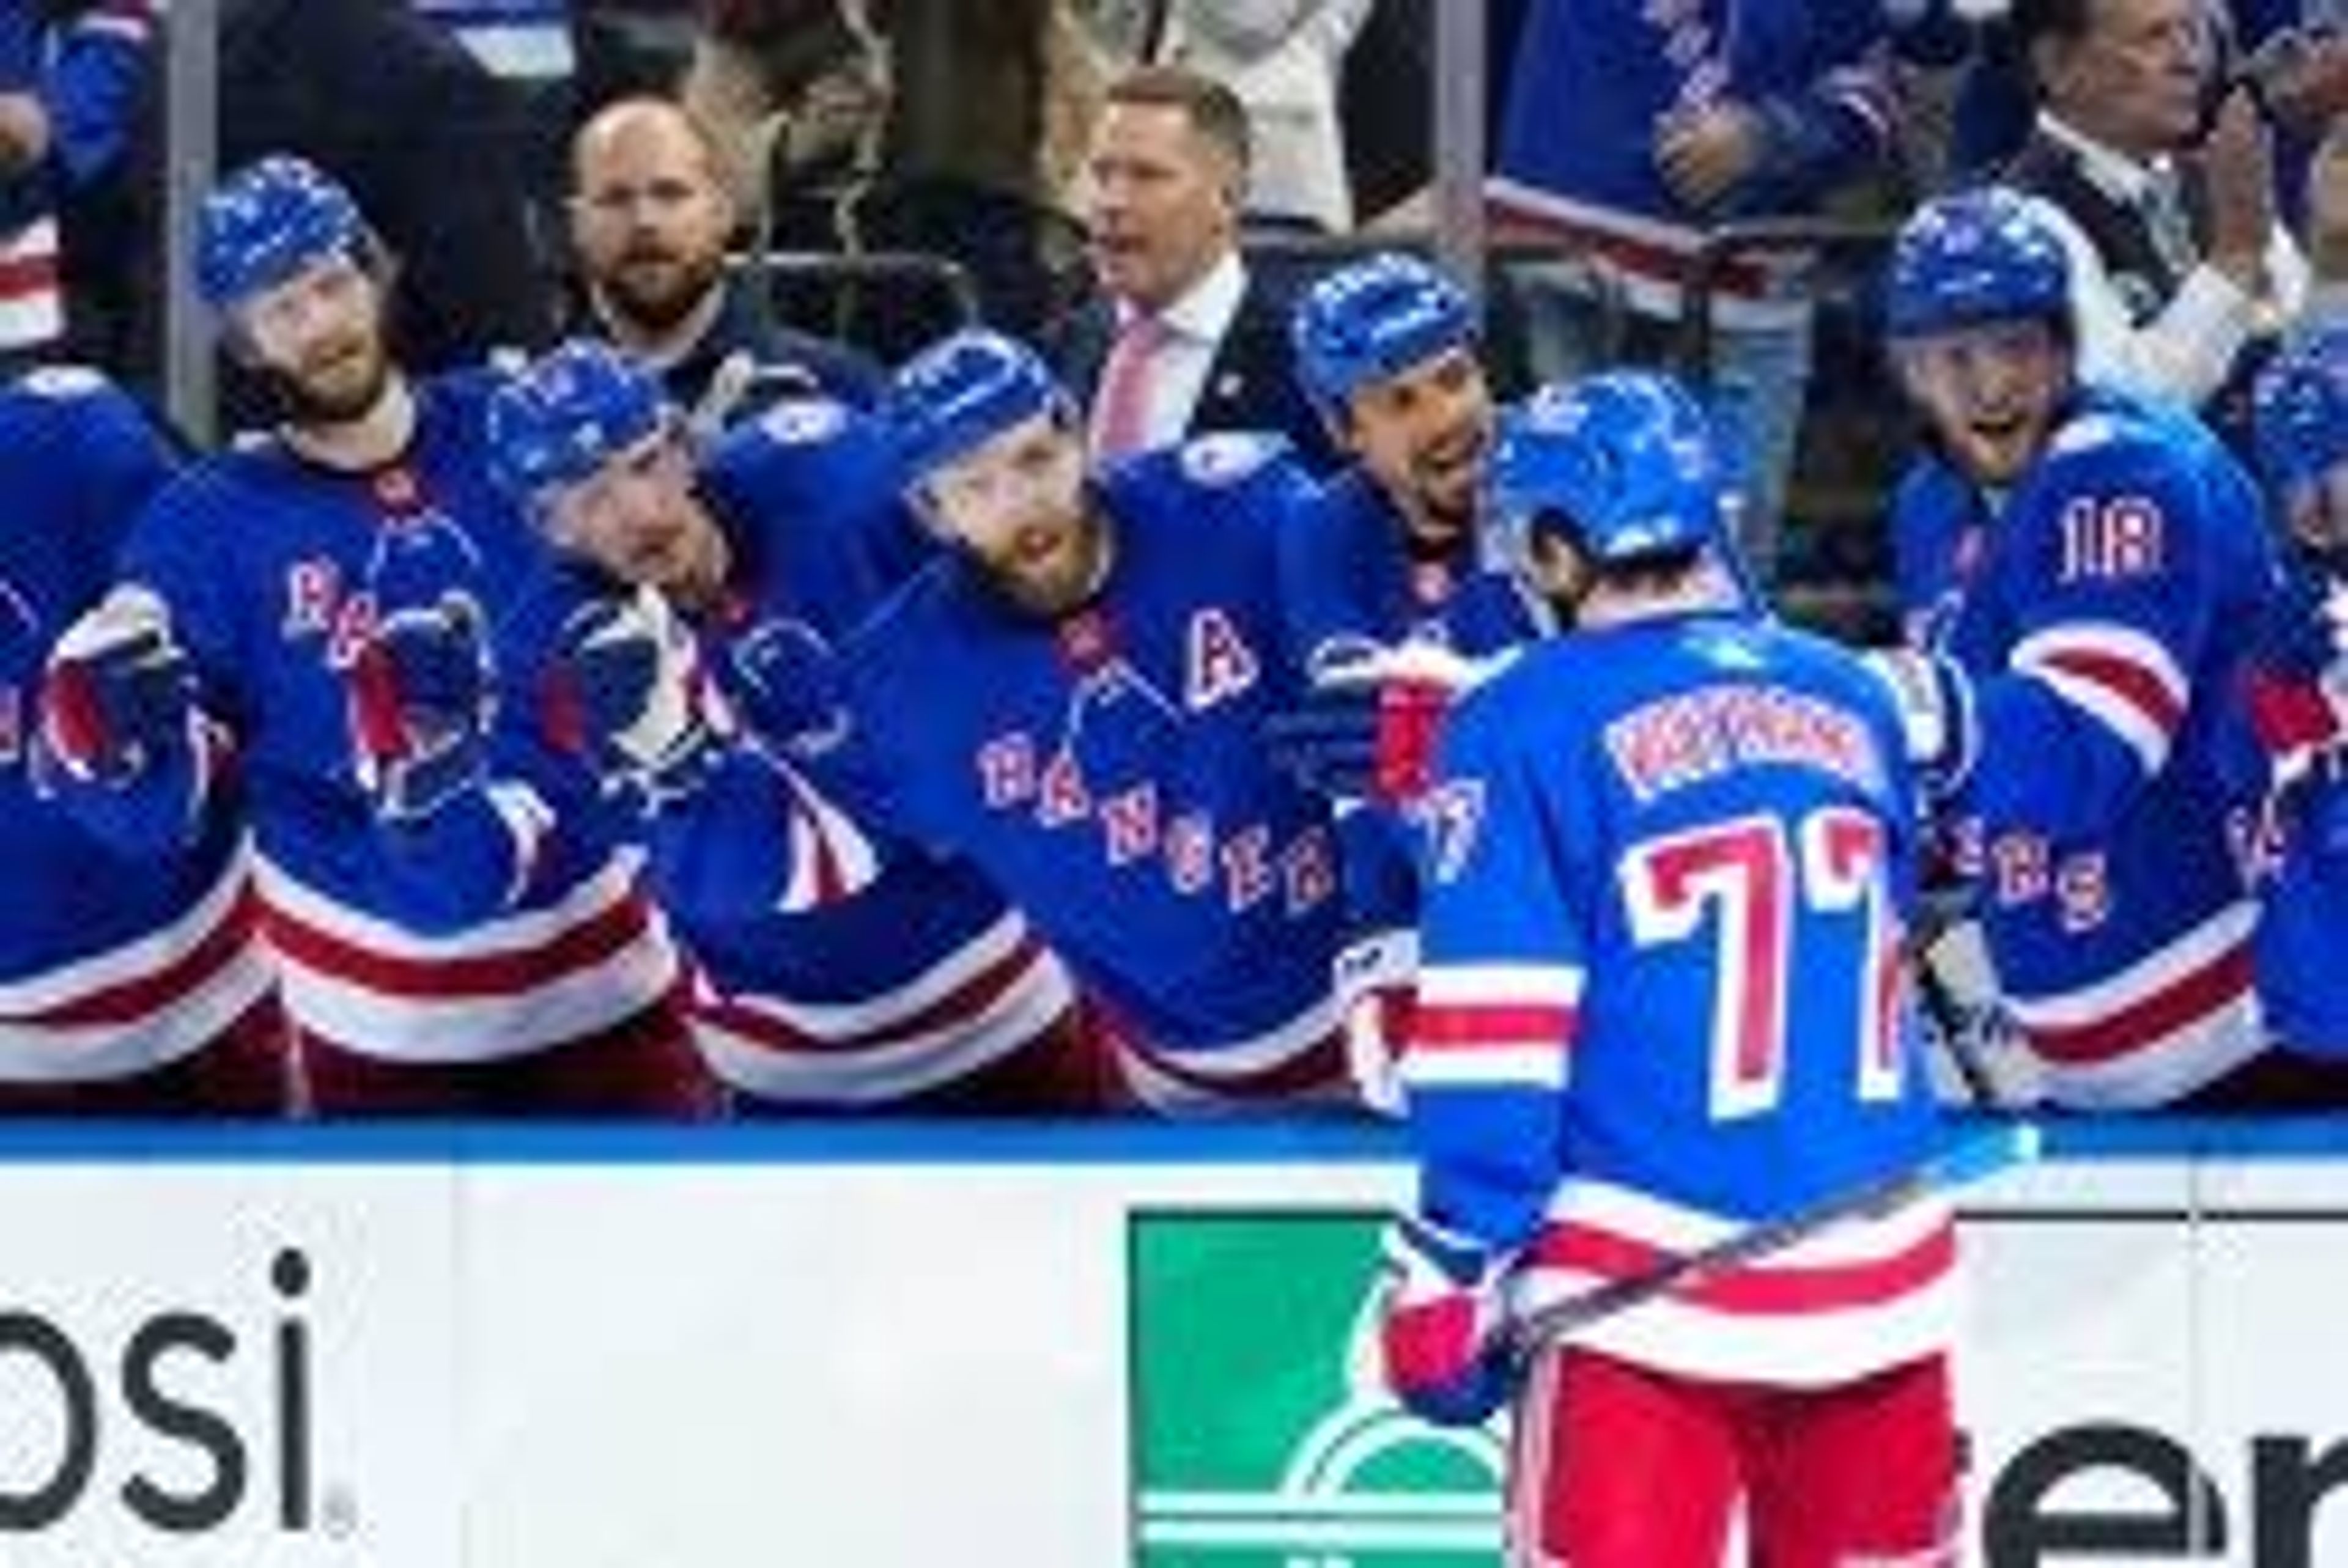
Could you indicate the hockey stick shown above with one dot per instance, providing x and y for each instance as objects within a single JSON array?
[
  {"x": 1950, "y": 1021},
  {"x": 1952, "y": 1027},
  {"x": 1974, "y": 1157}
]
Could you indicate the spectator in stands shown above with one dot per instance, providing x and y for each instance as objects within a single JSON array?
[
  {"x": 1630, "y": 129},
  {"x": 2179, "y": 264},
  {"x": 988, "y": 108},
  {"x": 1385, "y": 101},
  {"x": 793, "y": 92},
  {"x": 2326, "y": 233},
  {"x": 650, "y": 218},
  {"x": 2294, "y": 54},
  {"x": 1284, "y": 59},
  {"x": 943, "y": 129},
  {"x": 627, "y": 47},
  {"x": 1182, "y": 338},
  {"x": 69, "y": 75}
]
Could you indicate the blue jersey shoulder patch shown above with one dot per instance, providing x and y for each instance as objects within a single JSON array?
[
  {"x": 803, "y": 420},
  {"x": 1228, "y": 456},
  {"x": 60, "y": 382}
]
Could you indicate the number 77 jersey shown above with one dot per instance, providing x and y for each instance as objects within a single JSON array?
[{"x": 1660, "y": 998}]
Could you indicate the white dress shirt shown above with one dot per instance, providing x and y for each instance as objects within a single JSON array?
[
  {"x": 2184, "y": 351},
  {"x": 1193, "y": 328}
]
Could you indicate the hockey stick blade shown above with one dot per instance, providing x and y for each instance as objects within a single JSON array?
[{"x": 1972, "y": 1158}]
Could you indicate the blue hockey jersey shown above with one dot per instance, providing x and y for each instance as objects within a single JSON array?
[
  {"x": 1106, "y": 770},
  {"x": 504, "y": 922},
  {"x": 1594, "y": 81},
  {"x": 2303, "y": 915},
  {"x": 1348, "y": 575},
  {"x": 1669, "y": 865},
  {"x": 1350, "y": 581},
  {"x": 2102, "y": 611},
  {"x": 2301, "y": 839},
  {"x": 105, "y": 970},
  {"x": 814, "y": 986}
]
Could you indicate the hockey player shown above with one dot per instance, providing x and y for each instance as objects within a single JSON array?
[
  {"x": 826, "y": 982},
  {"x": 130, "y": 992},
  {"x": 1386, "y": 350},
  {"x": 1389, "y": 588},
  {"x": 1389, "y": 554},
  {"x": 2079, "y": 570},
  {"x": 450, "y": 935},
  {"x": 1072, "y": 698},
  {"x": 1669, "y": 861},
  {"x": 2298, "y": 702}
]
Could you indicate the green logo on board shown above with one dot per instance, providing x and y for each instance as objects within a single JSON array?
[{"x": 1262, "y": 1435}]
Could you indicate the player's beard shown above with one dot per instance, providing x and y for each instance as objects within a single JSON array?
[
  {"x": 1444, "y": 480},
  {"x": 1437, "y": 524},
  {"x": 336, "y": 389},
  {"x": 653, "y": 288},
  {"x": 1050, "y": 567}
]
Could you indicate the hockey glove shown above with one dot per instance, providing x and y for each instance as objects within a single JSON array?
[
  {"x": 421, "y": 696},
  {"x": 1935, "y": 701},
  {"x": 790, "y": 688},
  {"x": 2297, "y": 682},
  {"x": 631, "y": 687},
  {"x": 118, "y": 694},
  {"x": 1370, "y": 722},
  {"x": 1377, "y": 988},
  {"x": 1441, "y": 1326}
]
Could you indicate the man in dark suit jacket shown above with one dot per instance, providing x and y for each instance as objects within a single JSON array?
[{"x": 1182, "y": 339}]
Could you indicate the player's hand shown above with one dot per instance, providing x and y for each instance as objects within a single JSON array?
[
  {"x": 1705, "y": 153},
  {"x": 2238, "y": 178},
  {"x": 1370, "y": 721},
  {"x": 2300, "y": 77},
  {"x": 2297, "y": 681},
  {"x": 1377, "y": 988},
  {"x": 118, "y": 694},
  {"x": 1981, "y": 1060},
  {"x": 834, "y": 113},
  {"x": 790, "y": 688},
  {"x": 1441, "y": 1326},
  {"x": 1935, "y": 701},
  {"x": 27, "y": 133},
  {"x": 630, "y": 686},
  {"x": 421, "y": 696}
]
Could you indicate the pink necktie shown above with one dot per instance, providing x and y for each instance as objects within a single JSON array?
[{"x": 1121, "y": 403}]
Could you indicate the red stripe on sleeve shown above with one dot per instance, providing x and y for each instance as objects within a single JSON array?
[{"x": 1467, "y": 1026}]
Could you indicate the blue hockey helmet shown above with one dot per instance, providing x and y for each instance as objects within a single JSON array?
[
  {"x": 2300, "y": 414},
  {"x": 965, "y": 390},
  {"x": 1372, "y": 319},
  {"x": 1976, "y": 256},
  {"x": 1623, "y": 464},
  {"x": 266, "y": 222},
  {"x": 560, "y": 418}
]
